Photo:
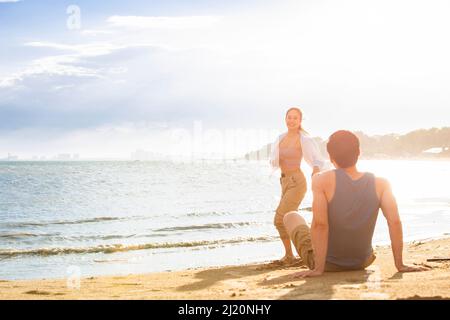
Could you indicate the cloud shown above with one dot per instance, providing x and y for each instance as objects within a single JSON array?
[
  {"x": 241, "y": 69},
  {"x": 83, "y": 50},
  {"x": 89, "y": 85},
  {"x": 148, "y": 22},
  {"x": 80, "y": 61},
  {"x": 67, "y": 65},
  {"x": 96, "y": 32},
  {"x": 9, "y": 1},
  {"x": 62, "y": 65}
]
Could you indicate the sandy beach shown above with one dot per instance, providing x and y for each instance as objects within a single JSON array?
[{"x": 260, "y": 281}]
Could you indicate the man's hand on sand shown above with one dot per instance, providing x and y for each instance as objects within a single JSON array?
[
  {"x": 308, "y": 273},
  {"x": 407, "y": 268}
]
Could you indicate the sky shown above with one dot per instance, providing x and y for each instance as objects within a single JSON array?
[{"x": 105, "y": 78}]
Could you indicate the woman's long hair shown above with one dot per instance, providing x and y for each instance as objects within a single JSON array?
[{"x": 300, "y": 128}]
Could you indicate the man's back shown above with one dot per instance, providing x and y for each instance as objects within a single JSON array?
[
  {"x": 345, "y": 208},
  {"x": 352, "y": 215}
]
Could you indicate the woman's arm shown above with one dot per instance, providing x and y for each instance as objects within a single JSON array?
[
  {"x": 311, "y": 154},
  {"x": 274, "y": 155}
]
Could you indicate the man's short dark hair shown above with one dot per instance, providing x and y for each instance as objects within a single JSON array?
[{"x": 343, "y": 148}]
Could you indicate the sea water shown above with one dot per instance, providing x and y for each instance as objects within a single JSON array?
[{"x": 123, "y": 217}]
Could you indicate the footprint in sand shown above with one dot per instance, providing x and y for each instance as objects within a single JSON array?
[
  {"x": 233, "y": 273},
  {"x": 38, "y": 292},
  {"x": 44, "y": 293},
  {"x": 235, "y": 284},
  {"x": 351, "y": 286}
]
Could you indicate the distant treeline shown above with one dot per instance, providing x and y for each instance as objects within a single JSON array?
[{"x": 422, "y": 143}]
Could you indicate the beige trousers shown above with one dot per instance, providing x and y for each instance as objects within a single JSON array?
[
  {"x": 301, "y": 237},
  {"x": 293, "y": 189}
]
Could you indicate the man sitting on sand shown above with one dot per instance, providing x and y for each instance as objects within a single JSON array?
[{"x": 345, "y": 209}]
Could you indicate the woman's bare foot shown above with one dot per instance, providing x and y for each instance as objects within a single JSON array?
[{"x": 286, "y": 260}]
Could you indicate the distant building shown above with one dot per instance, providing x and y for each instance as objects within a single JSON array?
[
  {"x": 435, "y": 150},
  {"x": 63, "y": 157},
  {"x": 143, "y": 155},
  {"x": 12, "y": 157},
  {"x": 140, "y": 155},
  {"x": 261, "y": 154}
]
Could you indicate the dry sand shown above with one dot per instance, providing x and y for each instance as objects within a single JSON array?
[{"x": 260, "y": 281}]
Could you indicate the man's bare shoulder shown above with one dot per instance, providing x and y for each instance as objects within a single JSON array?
[
  {"x": 382, "y": 184},
  {"x": 323, "y": 178}
]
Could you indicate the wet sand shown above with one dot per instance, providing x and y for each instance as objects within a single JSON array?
[{"x": 259, "y": 281}]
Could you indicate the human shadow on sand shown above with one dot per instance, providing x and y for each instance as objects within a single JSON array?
[
  {"x": 209, "y": 277},
  {"x": 317, "y": 287}
]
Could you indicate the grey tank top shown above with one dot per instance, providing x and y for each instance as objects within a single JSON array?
[{"x": 352, "y": 215}]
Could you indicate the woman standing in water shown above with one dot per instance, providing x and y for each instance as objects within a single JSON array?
[{"x": 288, "y": 151}]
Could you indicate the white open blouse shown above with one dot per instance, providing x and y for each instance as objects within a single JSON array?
[{"x": 310, "y": 150}]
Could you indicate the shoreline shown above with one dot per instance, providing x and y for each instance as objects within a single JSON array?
[
  {"x": 258, "y": 281},
  {"x": 379, "y": 245}
]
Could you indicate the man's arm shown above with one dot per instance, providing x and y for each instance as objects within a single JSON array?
[
  {"x": 319, "y": 228},
  {"x": 390, "y": 212}
]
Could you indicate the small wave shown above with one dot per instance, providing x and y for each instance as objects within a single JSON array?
[
  {"x": 124, "y": 248},
  {"x": 228, "y": 213},
  {"x": 62, "y": 222},
  {"x": 97, "y": 237},
  {"x": 59, "y": 237},
  {"x": 93, "y": 220},
  {"x": 19, "y": 235},
  {"x": 218, "y": 213},
  {"x": 207, "y": 226}
]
